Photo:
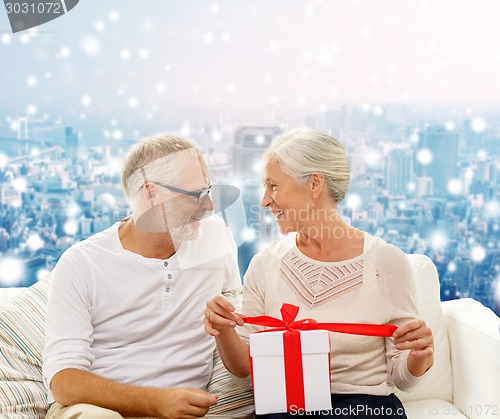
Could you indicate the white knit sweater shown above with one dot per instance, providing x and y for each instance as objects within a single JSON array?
[{"x": 375, "y": 287}]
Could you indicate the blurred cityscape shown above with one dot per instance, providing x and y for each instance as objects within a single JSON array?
[{"x": 425, "y": 179}]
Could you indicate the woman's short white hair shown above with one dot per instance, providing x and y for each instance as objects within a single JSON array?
[
  {"x": 152, "y": 160},
  {"x": 304, "y": 151}
]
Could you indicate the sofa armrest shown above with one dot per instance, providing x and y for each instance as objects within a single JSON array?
[{"x": 473, "y": 331}]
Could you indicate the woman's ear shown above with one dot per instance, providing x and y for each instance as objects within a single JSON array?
[{"x": 317, "y": 182}]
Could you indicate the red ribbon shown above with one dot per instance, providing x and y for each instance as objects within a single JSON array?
[{"x": 292, "y": 346}]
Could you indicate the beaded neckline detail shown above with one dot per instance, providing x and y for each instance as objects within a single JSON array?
[{"x": 315, "y": 284}]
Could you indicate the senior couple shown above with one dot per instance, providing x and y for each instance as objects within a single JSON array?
[{"x": 133, "y": 310}]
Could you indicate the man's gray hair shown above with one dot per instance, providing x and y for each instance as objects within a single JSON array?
[
  {"x": 304, "y": 151},
  {"x": 152, "y": 160}
]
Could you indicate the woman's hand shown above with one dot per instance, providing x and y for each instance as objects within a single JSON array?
[
  {"x": 416, "y": 336},
  {"x": 220, "y": 315},
  {"x": 220, "y": 321}
]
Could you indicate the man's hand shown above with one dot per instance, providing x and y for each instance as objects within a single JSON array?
[
  {"x": 73, "y": 386},
  {"x": 184, "y": 403}
]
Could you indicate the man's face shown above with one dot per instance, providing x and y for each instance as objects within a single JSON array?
[
  {"x": 183, "y": 211},
  {"x": 180, "y": 201}
]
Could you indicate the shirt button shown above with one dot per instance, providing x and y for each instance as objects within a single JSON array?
[
  {"x": 169, "y": 276},
  {"x": 167, "y": 289},
  {"x": 165, "y": 264}
]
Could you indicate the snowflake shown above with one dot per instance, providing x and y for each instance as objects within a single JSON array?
[
  {"x": 20, "y": 184},
  {"x": 207, "y": 37},
  {"x": 11, "y": 271},
  {"x": 424, "y": 156},
  {"x": 3, "y": 160},
  {"x": 353, "y": 201},
  {"x": 249, "y": 234},
  {"x": 478, "y": 124},
  {"x": 478, "y": 254},
  {"x": 86, "y": 100},
  {"x": 73, "y": 209},
  {"x": 455, "y": 187},
  {"x": 114, "y": 15},
  {"x": 125, "y": 54},
  {"x": 31, "y": 81},
  {"x": 449, "y": 125},
  {"x": 117, "y": 134},
  {"x": 42, "y": 273},
  {"x": 90, "y": 45},
  {"x": 133, "y": 102},
  {"x": 71, "y": 227},
  {"x": 144, "y": 53},
  {"x": 35, "y": 242},
  {"x": 6, "y": 38},
  {"x": 64, "y": 52},
  {"x": 161, "y": 88},
  {"x": 99, "y": 26}
]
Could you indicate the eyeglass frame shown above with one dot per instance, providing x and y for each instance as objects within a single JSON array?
[{"x": 200, "y": 196}]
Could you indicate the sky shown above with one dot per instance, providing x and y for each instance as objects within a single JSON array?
[{"x": 157, "y": 62}]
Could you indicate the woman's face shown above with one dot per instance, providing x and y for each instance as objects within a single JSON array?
[{"x": 289, "y": 201}]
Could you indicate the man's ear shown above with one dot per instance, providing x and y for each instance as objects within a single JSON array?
[{"x": 149, "y": 192}]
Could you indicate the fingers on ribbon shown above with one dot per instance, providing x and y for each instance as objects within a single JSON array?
[
  {"x": 423, "y": 352},
  {"x": 425, "y": 343},
  {"x": 413, "y": 330},
  {"x": 220, "y": 311}
]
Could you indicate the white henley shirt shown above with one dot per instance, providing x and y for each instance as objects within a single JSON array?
[{"x": 138, "y": 320}]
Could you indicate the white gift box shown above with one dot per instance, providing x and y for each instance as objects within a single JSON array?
[{"x": 268, "y": 371}]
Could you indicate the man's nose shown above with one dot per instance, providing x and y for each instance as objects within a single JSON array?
[{"x": 207, "y": 203}]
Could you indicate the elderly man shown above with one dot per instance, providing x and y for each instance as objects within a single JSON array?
[{"x": 124, "y": 334}]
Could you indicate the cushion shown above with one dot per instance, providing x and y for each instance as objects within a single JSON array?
[
  {"x": 475, "y": 349},
  {"x": 22, "y": 327},
  {"x": 234, "y": 400},
  {"x": 436, "y": 383}
]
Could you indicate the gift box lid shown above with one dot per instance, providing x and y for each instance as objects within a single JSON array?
[{"x": 271, "y": 343}]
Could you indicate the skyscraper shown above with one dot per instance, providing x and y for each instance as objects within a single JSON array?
[
  {"x": 398, "y": 172},
  {"x": 72, "y": 143},
  {"x": 436, "y": 157},
  {"x": 248, "y": 148}
]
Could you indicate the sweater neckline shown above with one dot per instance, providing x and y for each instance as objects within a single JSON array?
[{"x": 368, "y": 245}]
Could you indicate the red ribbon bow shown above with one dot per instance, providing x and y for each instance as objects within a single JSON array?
[
  {"x": 289, "y": 313},
  {"x": 292, "y": 346}
]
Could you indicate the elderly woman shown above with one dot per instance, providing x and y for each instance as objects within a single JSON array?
[{"x": 334, "y": 273}]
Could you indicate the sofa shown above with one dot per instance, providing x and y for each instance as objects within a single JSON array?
[{"x": 464, "y": 382}]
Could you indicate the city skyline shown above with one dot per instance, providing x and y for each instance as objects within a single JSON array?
[
  {"x": 381, "y": 76},
  {"x": 425, "y": 187}
]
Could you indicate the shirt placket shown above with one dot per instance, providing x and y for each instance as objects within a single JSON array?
[{"x": 167, "y": 286}]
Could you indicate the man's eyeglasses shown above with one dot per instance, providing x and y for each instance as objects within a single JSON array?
[{"x": 200, "y": 196}]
